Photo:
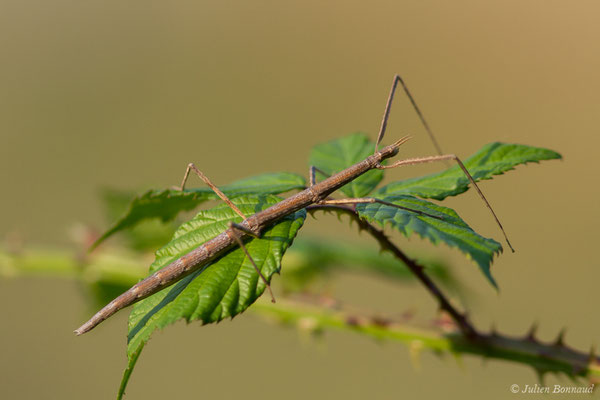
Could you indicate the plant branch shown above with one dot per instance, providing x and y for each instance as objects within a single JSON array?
[
  {"x": 101, "y": 270},
  {"x": 418, "y": 270},
  {"x": 543, "y": 357}
]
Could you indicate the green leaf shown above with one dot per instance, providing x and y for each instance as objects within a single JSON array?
[
  {"x": 166, "y": 204},
  {"x": 492, "y": 159},
  {"x": 451, "y": 229},
  {"x": 332, "y": 157},
  {"x": 314, "y": 257},
  {"x": 222, "y": 289},
  {"x": 146, "y": 235}
]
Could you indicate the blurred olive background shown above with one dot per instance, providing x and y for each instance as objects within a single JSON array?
[{"x": 124, "y": 94}]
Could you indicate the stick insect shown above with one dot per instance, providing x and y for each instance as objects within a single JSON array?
[{"x": 317, "y": 193}]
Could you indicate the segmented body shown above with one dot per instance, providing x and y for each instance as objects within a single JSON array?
[{"x": 217, "y": 246}]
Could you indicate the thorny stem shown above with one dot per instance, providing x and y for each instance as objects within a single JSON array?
[
  {"x": 553, "y": 357},
  {"x": 117, "y": 268},
  {"x": 418, "y": 270}
]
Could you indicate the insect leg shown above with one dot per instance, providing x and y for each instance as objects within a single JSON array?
[
  {"x": 192, "y": 167},
  {"x": 312, "y": 174},
  {"x": 388, "y": 106},
  {"x": 452, "y": 157},
  {"x": 234, "y": 228},
  {"x": 363, "y": 200}
]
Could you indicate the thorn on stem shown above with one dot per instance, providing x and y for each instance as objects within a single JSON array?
[
  {"x": 493, "y": 330},
  {"x": 592, "y": 356},
  {"x": 532, "y": 332},
  {"x": 559, "y": 342},
  {"x": 540, "y": 375}
]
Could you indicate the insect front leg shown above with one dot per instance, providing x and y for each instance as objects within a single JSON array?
[
  {"x": 386, "y": 114},
  {"x": 451, "y": 157}
]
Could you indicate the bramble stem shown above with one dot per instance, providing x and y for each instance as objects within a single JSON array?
[
  {"x": 418, "y": 270},
  {"x": 543, "y": 357},
  {"x": 117, "y": 268}
]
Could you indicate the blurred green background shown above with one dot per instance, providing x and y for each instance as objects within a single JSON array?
[{"x": 124, "y": 94}]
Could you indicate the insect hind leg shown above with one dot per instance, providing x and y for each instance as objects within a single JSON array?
[
  {"x": 233, "y": 229},
  {"x": 192, "y": 167}
]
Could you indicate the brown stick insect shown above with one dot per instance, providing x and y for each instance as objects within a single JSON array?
[{"x": 316, "y": 194}]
